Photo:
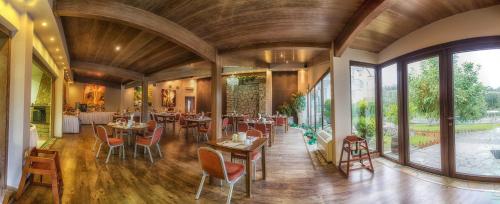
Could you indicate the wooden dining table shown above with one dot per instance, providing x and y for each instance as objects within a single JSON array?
[
  {"x": 257, "y": 145},
  {"x": 167, "y": 117},
  {"x": 268, "y": 123}
]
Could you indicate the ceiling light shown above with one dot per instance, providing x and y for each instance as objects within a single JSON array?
[
  {"x": 118, "y": 48},
  {"x": 57, "y": 49},
  {"x": 60, "y": 57},
  {"x": 52, "y": 39},
  {"x": 44, "y": 24}
]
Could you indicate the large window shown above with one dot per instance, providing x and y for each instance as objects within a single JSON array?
[
  {"x": 476, "y": 88},
  {"x": 363, "y": 103},
  {"x": 327, "y": 103},
  {"x": 390, "y": 110}
]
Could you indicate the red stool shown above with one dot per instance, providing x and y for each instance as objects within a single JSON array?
[{"x": 357, "y": 150}]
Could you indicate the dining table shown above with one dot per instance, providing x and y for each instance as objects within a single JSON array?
[
  {"x": 235, "y": 118},
  {"x": 167, "y": 117},
  {"x": 120, "y": 128},
  {"x": 259, "y": 144},
  {"x": 198, "y": 121}
]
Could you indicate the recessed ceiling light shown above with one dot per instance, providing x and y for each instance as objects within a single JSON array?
[
  {"x": 57, "y": 49},
  {"x": 60, "y": 57},
  {"x": 118, "y": 48},
  {"x": 52, "y": 39},
  {"x": 44, "y": 24}
]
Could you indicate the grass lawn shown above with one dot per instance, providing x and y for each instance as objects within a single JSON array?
[{"x": 458, "y": 128}]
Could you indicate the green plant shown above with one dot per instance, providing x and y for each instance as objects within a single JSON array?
[
  {"x": 298, "y": 102},
  {"x": 285, "y": 109},
  {"x": 365, "y": 125},
  {"x": 327, "y": 110},
  {"x": 310, "y": 133}
]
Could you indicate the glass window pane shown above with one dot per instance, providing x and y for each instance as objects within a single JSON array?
[
  {"x": 327, "y": 104},
  {"x": 363, "y": 104},
  {"x": 389, "y": 94},
  {"x": 477, "y": 112},
  {"x": 317, "y": 106},
  {"x": 423, "y": 113}
]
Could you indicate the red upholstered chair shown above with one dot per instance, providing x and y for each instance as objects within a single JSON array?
[
  {"x": 242, "y": 127},
  {"x": 256, "y": 155},
  {"x": 111, "y": 142},
  {"x": 212, "y": 164},
  {"x": 281, "y": 122},
  {"x": 204, "y": 130},
  {"x": 149, "y": 130},
  {"x": 266, "y": 131},
  {"x": 184, "y": 124},
  {"x": 148, "y": 142}
]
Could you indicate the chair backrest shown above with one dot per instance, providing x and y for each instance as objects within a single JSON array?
[
  {"x": 151, "y": 125},
  {"x": 242, "y": 127},
  {"x": 177, "y": 116},
  {"x": 261, "y": 127},
  {"x": 182, "y": 120},
  {"x": 102, "y": 133},
  {"x": 121, "y": 120},
  {"x": 158, "y": 131},
  {"x": 152, "y": 116},
  {"x": 254, "y": 133},
  {"x": 212, "y": 162},
  {"x": 225, "y": 122}
]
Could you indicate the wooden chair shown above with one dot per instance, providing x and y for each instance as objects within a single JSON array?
[
  {"x": 255, "y": 155},
  {"x": 225, "y": 125},
  {"x": 281, "y": 122},
  {"x": 111, "y": 143},
  {"x": 43, "y": 163},
  {"x": 357, "y": 150},
  {"x": 185, "y": 124},
  {"x": 212, "y": 164},
  {"x": 148, "y": 142}
]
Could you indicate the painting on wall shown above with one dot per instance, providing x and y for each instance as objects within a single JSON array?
[
  {"x": 93, "y": 95},
  {"x": 138, "y": 95},
  {"x": 168, "y": 98}
]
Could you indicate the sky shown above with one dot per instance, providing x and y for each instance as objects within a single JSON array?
[{"x": 489, "y": 73}]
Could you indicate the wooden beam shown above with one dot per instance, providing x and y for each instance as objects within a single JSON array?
[
  {"x": 216, "y": 103},
  {"x": 113, "y": 71},
  {"x": 278, "y": 45},
  {"x": 89, "y": 80},
  {"x": 335, "y": 138},
  {"x": 132, "y": 84},
  {"x": 181, "y": 71},
  {"x": 367, "y": 12},
  {"x": 138, "y": 18}
]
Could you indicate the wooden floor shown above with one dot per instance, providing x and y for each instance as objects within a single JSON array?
[{"x": 291, "y": 178}]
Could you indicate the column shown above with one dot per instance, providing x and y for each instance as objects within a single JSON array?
[
  {"x": 332, "y": 105},
  {"x": 302, "y": 88},
  {"x": 216, "y": 99},
  {"x": 145, "y": 102},
  {"x": 19, "y": 98},
  {"x": 269, "y": 92},
  {"x": 58, "y": 103}
]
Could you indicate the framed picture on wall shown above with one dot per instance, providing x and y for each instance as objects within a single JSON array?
[{"x": 168, "y": 98}]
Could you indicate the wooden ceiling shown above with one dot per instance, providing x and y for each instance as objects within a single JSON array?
[
  {"x": 406, "y": 16},
  {"x": 261, "y": 28}
]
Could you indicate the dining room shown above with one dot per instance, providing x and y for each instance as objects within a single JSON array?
[{"x": 280, "y": 101}]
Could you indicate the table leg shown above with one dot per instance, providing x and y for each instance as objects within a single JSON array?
[
  {"x": 263, "y": 160},
  {"x": 249, "y": 174}
]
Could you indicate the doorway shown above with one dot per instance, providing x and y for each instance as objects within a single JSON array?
[{"x": 189, "y": 104}]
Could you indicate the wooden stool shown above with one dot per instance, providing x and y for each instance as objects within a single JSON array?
[
  {"x": 357, "y": 150},
  {"x": 43, "y": 163}
]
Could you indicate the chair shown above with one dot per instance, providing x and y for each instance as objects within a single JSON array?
[
  {"x": 357, "y": 150},
  {"x": 111, "y": 142},
  {"x": 266, "y": 132},
  {"x": 242, "y": 127},
  {"x": 204, "y": 130},
  {"x": 225, "y": 125},
  {"x": 256, "y": 155},
  {"x": 148, "y": 142},
  {"x": 94, "y": 129},
  {"x": 212, "y": 164},
  {"x": 281, "y": 122},
  {"x": 151, "y": 126},
  {"x": 184, "y": 124}
]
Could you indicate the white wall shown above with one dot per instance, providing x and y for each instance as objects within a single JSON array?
[{"x": 475, "y": 23}]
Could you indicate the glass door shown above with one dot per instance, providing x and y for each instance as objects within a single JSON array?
[
  {"x": 390, "y": 111},
  {"x": 423, "y": 113},
  {"x": 476, "y": 112}
]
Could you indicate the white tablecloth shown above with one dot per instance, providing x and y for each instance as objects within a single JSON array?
[
  {"x": 71, "y": 124},
  {"x": 97, "y": 117},
  {"x": 33, "y": 136}
]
